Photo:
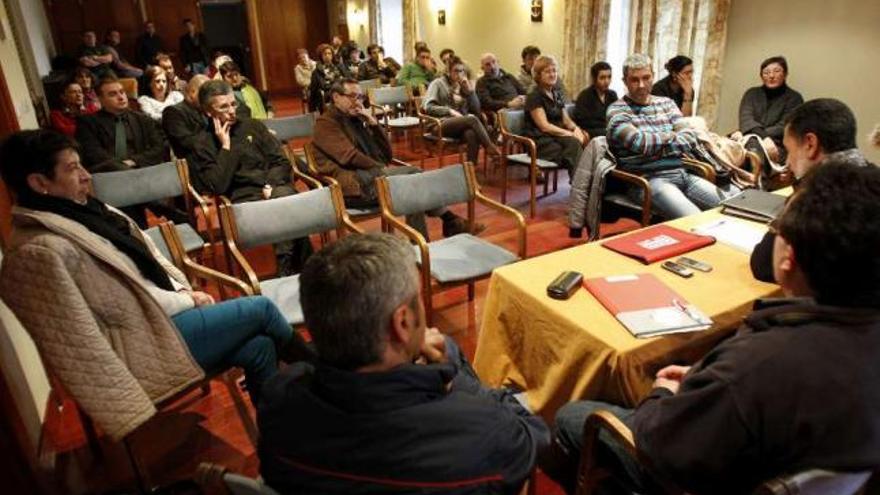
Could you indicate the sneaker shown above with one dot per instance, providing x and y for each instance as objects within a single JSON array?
[{"x": 459, "y": 225}]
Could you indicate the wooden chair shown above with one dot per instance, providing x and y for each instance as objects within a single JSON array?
[
  {"x": 463, "y": 258},
  {"x": 289, "y": 129},
  {"x": 356, "y": 214},
  {"x": 393, "y": 106},
  {"x": 431, "y": 131}
]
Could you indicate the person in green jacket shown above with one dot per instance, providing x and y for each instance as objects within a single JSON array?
[
  {"x": 420, "y": 72},
  {"x": 245, "y": 93}
]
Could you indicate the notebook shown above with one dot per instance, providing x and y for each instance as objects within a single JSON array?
[
  {"x": 646, "y": 306},
  {"x": 755, "y": 205},
  {"x": 740, "y": 235},
  {"x": 657, "y": 243}
]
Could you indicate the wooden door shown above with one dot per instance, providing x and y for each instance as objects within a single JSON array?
[
  {"x": 286, "y": 25},
  {"x": 69, "y": 18},
  {"x": 67, "y": 23},
  {"x": 168, "y": 15}
]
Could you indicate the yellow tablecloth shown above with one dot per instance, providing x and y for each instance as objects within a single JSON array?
[{"x": 565, "y": 350}]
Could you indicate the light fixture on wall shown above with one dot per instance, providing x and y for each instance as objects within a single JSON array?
[
  {"x": 537, "y": 10},
  {"x": 441, "y": 17}
]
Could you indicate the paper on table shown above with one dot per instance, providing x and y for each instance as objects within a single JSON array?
[{"x": 737, "y": 234}]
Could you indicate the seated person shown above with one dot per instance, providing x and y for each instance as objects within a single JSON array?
[
  {"x": 498, "y": 89},
  {"x": 529, "y": 54},
  {"x": 556, "y": 136},
  {"x": 163, "y": 60},
  {"x": 392, "y": 406},
  {"x": 113, "y": 40},
  {"x": 678, "y": 84},
  {"x": 185, "y": 121},
  {"x": 351, "y": 60},
  {"x": 592, "y": 104},
  {"x": 158, "y": 96},
  {"x": 70, "y": 106},
  {"x": 86, "y": 81},
  {"x": 117, "y": 138},
  {"x": 452, "y": 98},
  {"x": 217, "y": 60},
  {"x": 376, "y": 66},
  {"x": 816, "y": 132},
  {"x": 325, "y": 73},
  {"x": 795, "y": 388},
  {"x": 352, "y": 148},
  {"x": 116, "y": 302},
  {"x": 95, "y": 57},
  {"x": 240, "y": 159},
  {"x": 763, "y": 109},
  {"x": 641, "y": 137},
  {"x": 245, "y": 93},
  {"x": 419, "y": 72},
  {"x": 303, "y": 71},
  {"x": 446, "y": 56}
]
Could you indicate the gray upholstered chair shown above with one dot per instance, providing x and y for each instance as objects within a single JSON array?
[
  {"x": 393, "y": 105},
  {"x": 356, "y": 214},
  {"x": 257, "y": 223},
  {"x": 288, "y": 130},
  {"x": 368, "y": 84},
  {"x": 432, "y": 136},
  {"x": 512, "y": 124},
  {"x": 159, "y": 182},
  {"x": 455, "y": 260}
]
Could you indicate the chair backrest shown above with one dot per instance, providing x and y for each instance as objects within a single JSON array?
[
  {"x": 815, "y": 482},
  {"x": 513, "y": 121},
  {"x": 280, "y": 219},
  {"x": 242, "y": 485},
  {"x": 138, "y": 185},
  {"x": 417, "y": 193},
  {"x": 369, "y": 83},
  {"x": 155, "y": 235},
  {"x": 130, "y": 86},
  {"x": 287, "y": 128},
  {"x": 391, "y": 95}
]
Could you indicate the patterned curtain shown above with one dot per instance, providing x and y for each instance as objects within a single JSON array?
[
  {"x": 663, "y": 29},
  {"x": 410, "y": 28},
  {"x": 585, "y": 33},
  {"x": 375, "y": 22}
]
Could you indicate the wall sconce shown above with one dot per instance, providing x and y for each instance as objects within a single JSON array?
[
  {"x": 441, "y": 17},
  {"x": 537, "y": 10}
]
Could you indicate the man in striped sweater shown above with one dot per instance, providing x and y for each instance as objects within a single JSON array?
[{"x": 641, "y": 136}]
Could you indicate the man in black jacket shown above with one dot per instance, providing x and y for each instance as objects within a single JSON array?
[
  {"x": 193, "y": 49},
  {"x": 391, "y": 406},
  {"x": 184, "y": 122},
  {"x": 498, "y": 89},
  {"x": 796, "y": 388}
]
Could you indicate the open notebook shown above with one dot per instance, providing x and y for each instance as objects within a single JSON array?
[{"x": 646, "y": 306}]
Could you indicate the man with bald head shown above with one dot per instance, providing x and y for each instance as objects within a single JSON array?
[
  {"x": 184, "y": 121},
  {"x": 498, "y": 89}
]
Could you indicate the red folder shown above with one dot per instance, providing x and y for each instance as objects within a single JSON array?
[{"x": 657, "y": 243}]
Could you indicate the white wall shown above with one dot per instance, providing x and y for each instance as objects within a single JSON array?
[
  {"x": 39, "y": 34},
  {"x": 832, "y": 50},
  {"x": 15, "y": 79}
]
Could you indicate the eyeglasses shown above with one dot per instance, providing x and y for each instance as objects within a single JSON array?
[
  {"x": 772, "y": 72},
  {"x": 355, "y": 97}
]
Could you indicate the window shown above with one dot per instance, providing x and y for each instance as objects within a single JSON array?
[
  {"x": 391, "y": 28},
  {"x": 618, "y": 42}
]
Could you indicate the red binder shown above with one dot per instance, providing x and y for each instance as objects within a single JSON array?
[{"x": 657, "y": 243}]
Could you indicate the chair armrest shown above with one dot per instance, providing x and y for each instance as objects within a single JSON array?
[
  {"x": 641, "y": 183},
  {"x": 702, "y": 169},
  {"x": 227, "y": 225},
  {"x": 309, "y": 181},
  {"x": 528, "y": 142},
  {"x": 506, "y": 210},
  {"x": 438, "y": 129},
  {"x": 395, "y": 161},
  {"x": 222, "y": 279},
  {"x": 588, "y": 476}
]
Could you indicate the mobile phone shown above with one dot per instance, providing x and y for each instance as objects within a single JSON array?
[
  {"x": 696, "y": 265},
  {"x": 677, "y": 269},
  {"x": 563, "y": 286}
]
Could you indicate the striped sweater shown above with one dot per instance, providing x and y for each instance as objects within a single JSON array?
[{"x": 641, "y": 137}]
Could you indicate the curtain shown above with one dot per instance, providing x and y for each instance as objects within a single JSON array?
[
  {"x": 585, "y": 35},
  {"x": 410, "y": 28},
  {"x": 663, "y": 29},
  {"x": 375, "y": 22}
]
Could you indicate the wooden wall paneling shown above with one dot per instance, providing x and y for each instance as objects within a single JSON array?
[
  {"x": 66, "y": 21},
  {"x": 168, "y": 15},
  {"x": 8, "y": 125},
  {"x": 123, "y": 15},
  {"x": 286, "y": 25}
]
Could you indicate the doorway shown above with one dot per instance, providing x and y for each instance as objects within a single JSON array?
[{"x": 228, "y": 21}]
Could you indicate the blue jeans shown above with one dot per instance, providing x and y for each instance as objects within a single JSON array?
[
  {"x": 244, "y": 332},
  {"x": 676, "y": 193}
]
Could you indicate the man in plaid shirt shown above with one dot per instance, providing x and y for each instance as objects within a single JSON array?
[{"x": 641, "y": 137}]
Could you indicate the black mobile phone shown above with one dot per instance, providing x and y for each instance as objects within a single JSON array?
[
  {"x": 677, "y": 269},
  {"x": 563, "y": 286},
  {"x": 696, "y": 265}
]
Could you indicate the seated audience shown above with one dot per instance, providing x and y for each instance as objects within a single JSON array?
[
  {"x": 193, "y": 49},
  {"x": 420, "y": 72},
  {"x": 376, "y": 66},
  {"x": 641, "y": 136},
  {"x": 148, "y": 45},
  {"x": 95, "y": 57},
  {"x": 113, "y": 40},
  {"x": 763, "y": 109},
  {"x": 351, "y": 60},
  {"x": 117, "y": 138},
  {"x": 556, "y": 136},
  {"x": 452, "y": 98},
  {"x": 245, "y": 93},
  {"x": 446, "y": 56},
  {"x": 325, "y": 73},
  {"x": 392, "y": 406},
  {"x": 529, "y": 54},
  {"x": 86, "y": 81},
  {"x": 592, "y": 104},
  {"x": 158, "y": 95},
  {"x": 819, "y": 131},
  {"x": 498, "y": 89},
  {"x": 217, "y": 61},
  {"x": 303, "y": 71},
  {"x": 678, "y": 84},
  {"x": 240, "y": 159},
  {"x": 116, "y": 302},
  {"x": 163, "y": 60},
  {"x": 352, "y": 148},
  {"x": 63, "y": 118},
  {"x": 795, "y": 388},
  {"x": 336, "y": 44},
  {"x": 185, "y": 121}
]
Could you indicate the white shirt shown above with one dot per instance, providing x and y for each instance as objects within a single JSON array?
[{"x": 153, "y": 107}]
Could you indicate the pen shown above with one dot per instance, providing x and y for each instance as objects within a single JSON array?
[{"x": 684, "y": 309}]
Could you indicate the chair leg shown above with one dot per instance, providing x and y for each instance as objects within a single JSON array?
[
  {"x": 471, "y": 290},
  {"x": 533, "y": 183},
  {"x": 428, "y": 297},
  {"x": 441, "y": 151},
  {"x": 246, "y": 420},
  {"x": 504, "y": 181}
]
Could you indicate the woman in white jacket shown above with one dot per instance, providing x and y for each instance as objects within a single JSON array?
[{"x": 159, "y": 95}]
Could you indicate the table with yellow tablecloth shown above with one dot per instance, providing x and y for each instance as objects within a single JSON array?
[{"x": 575, "y": 349}]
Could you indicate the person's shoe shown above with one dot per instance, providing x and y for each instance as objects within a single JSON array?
[
  {"x": 459, "y": 225},
  {"x": 575, "y": 233}
]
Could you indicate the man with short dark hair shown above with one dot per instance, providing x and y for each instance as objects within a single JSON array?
[
  {"x": 95, "y": 57},
  {"x": 796, "y": 388},
  {"x": 817, "y": 131},
  {"x": 419, "y": 72},
  {"x": 528, "y": 54},
  {"x": 163, "y": 60},
  {"x": 391, "y": 406},
  {"x": 185, "y": 121},
  {"x": 376, "y": 66},
  {"x": 498, "y": 89},
  {"x": 193, "y": 48}
]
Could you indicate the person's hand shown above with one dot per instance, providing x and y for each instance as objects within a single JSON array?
[
  {"x": 434, "y": 347},
  {"x": 581, "y": 135},
  {"x": 686, "y": 83},
  {"x": 381, "y": 63},
  {"x": 517, "y": 102},
  {"x": 201, "y": 298},
  {"x": 671, "y": 377},
  {"x": 367, "y": 115},
  {"x": 465, "y": 86},
  {"x": 222, "y": 132},
  {"x": 454, "y": 113}
]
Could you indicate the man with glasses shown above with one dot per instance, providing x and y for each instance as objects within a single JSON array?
[
  {"x": 351, "y": 147},
  {"x": 240, "y": 159}
]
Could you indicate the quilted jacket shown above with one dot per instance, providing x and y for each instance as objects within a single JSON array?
[{"x": 98, "y": 330}]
